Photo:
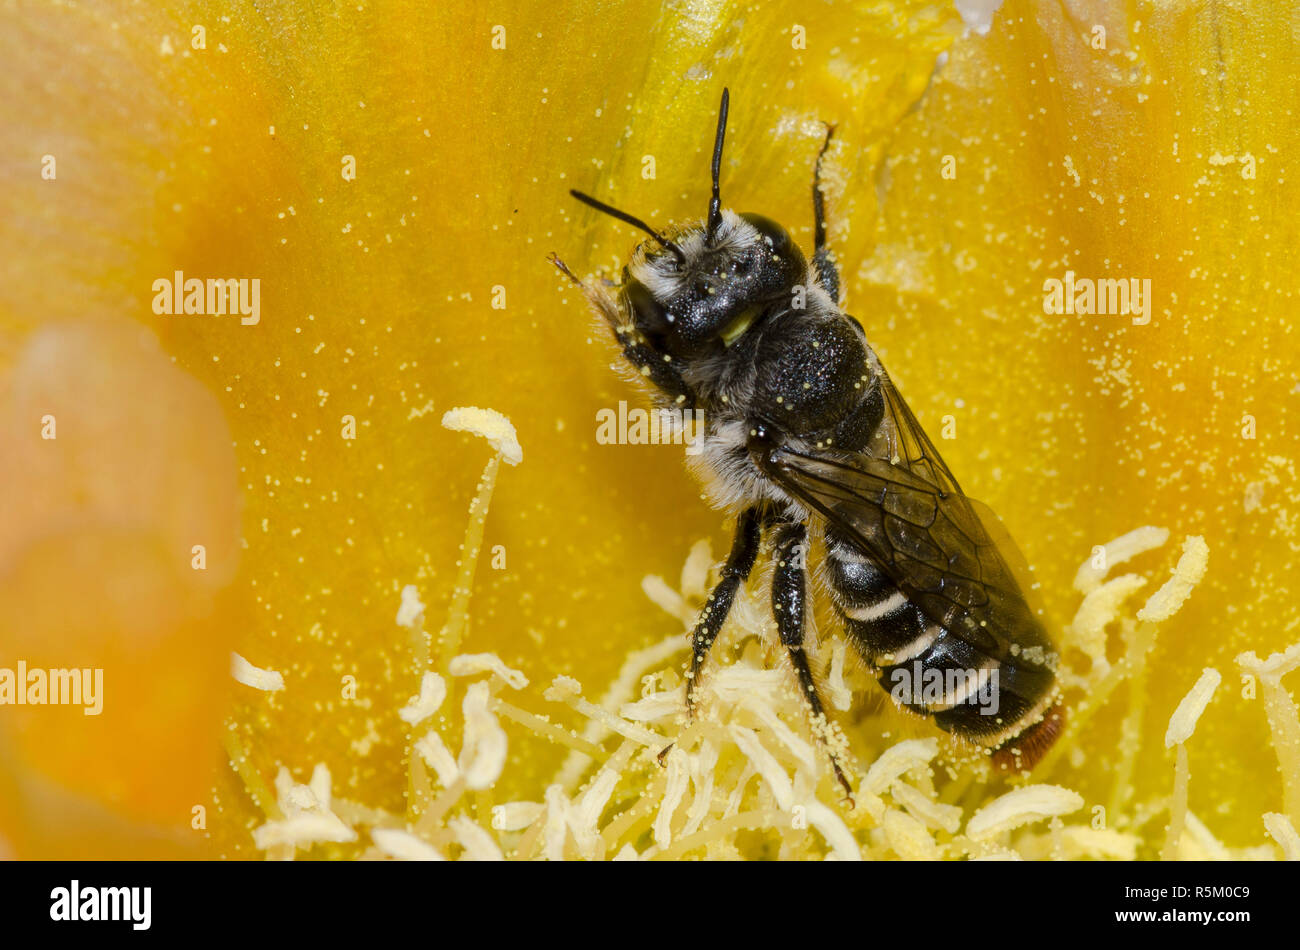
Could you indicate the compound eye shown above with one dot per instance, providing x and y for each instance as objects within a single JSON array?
[
  {"x": 649, "y": 315},
  {"x": 774, "y": 236}
]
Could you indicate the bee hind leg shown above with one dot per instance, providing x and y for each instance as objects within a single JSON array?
[{"x": 790, "y": 605}]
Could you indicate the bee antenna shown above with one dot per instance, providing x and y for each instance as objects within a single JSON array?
[
  {"x": 629, "y": 219},
  {"x": 715, "y": 203}
]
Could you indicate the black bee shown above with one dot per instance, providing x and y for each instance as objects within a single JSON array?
[{"x": 805, "y": 433}]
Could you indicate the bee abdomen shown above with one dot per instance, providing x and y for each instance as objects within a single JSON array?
[
  {"x": 880, "y": 620},
  {"x": 929, "y": 670}
]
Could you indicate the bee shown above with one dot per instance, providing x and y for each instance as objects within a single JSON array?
[{"x": 806, "y": 439}]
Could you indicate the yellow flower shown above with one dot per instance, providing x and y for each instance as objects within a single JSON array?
[{"x": 394, "y": 181}]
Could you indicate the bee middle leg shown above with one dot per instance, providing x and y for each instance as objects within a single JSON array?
[
  {"x": 789, "y": 606},
  {"x": 744, "y": 551}
]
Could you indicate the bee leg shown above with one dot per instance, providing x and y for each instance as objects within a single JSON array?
[
  {"x": 827, "y": 273},
  {"x": 665, "y": 375},
  {"x": 653, "y": 366},
  {"x": 744, "y": 551},
  {"x": 789, "y": 606}
]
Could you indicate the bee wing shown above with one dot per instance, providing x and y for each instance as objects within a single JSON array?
[{"x": 901, "y": 504}]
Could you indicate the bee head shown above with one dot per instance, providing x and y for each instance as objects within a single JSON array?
[
  {"x": 701, "y": 288},
  {"x": 708, "y": 299}
]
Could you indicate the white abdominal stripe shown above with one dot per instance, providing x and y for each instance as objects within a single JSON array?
[
  {"x": 882, "y": 608},
  {"x": 926, "y": 688},
  {"x": 1018, "y": 725}
]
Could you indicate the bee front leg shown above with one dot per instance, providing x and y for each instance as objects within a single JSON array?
[
  {"x": 606, "y": 299},
  {"x": 827, "y": 273},
  {"x": 790, "y": 606},
  {"x": 663, "y": 373}
]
